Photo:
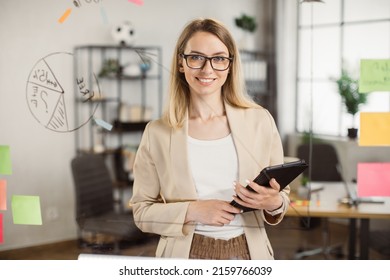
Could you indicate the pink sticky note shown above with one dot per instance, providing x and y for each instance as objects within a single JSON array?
[
  {"x": 3, "y": 195},
  {"x": 1, "y": 228},
  {"x": 373, "y": 179},
  {"x": 137, "y": 2}
]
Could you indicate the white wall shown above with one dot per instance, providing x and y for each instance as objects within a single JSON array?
[{"x": 29, "y": 31}]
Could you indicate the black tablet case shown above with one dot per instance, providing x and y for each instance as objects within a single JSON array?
[{"x": 284, "y": 174}]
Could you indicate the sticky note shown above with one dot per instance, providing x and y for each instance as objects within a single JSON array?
[
  {"x": 1, "y": 228},
  {"x": 3, "y": 194},
  {"x": 103, "y": 15},
  {"x": 103, "y": 124},
  {"x": 26, "y": 210},
  {"x": 374, "y": 75},
  {"x": 64, "y": 16},
  {"x": 137, "y": 2},
  {"x": 374, "y": 129},
  {"x": 300, "y": 203},
  {"x": 5, "y": 160},
  {"x": 373, "y": 179}
]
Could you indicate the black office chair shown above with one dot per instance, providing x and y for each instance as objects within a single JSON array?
[
  {"x": 324, "y": 166},
  {"x": 95, "y": 205}
]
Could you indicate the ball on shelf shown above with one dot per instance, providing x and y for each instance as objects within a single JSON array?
[{"x": 124, "y": 33}]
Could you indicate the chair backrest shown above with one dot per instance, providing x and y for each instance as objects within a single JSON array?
[
  {"x": 324, "y": 161},
  {"x": 93, "y": 186}
]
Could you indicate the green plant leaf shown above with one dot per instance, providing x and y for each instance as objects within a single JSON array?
[
  {"x": 349, "y": 91},
  {"x": 246, "y": 23}
]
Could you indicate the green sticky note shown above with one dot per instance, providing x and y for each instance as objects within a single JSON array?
[
  {"x": 5, "y": 160},
  {"x": 26, "y": 210},
  {"x": 374, "y": 75}
]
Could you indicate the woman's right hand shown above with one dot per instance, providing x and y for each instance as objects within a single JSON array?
[{"x": 211, "y": 212}]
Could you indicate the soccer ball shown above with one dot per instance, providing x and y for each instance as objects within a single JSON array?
[{"x": 124, "y": 33}]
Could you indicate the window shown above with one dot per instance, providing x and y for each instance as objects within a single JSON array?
[{"x": 333, "y": 35}]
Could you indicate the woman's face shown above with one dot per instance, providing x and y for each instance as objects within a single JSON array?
[{"x": 206, "y": 80}]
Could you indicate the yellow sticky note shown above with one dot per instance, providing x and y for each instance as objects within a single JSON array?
[
  {"x": 26, "y": 210},
  {"x": 5, "y": 160},
  {"x": 3, "y": 195},
  {"x": 374, "y": 129}
]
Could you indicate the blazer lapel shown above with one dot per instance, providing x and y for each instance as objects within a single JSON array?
[{"x": 243, "y": 140}]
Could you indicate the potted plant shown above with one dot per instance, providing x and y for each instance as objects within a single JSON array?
[
  {"x": 348, "y": 88},
  {"x": 248, "y": 25}
]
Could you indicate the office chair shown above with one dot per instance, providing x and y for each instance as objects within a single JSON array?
[
  {"x": 324, "y": 166},
  {"x": 95, "y": 211}
]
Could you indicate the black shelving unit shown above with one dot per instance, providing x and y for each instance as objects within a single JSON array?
[
  {"x": 260, "y": 76},
  {"x": 104, "y": 89}
]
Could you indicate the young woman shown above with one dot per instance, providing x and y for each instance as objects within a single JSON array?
[{"x": 211, "y": 142}]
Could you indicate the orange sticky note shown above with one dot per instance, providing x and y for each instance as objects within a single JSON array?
[
  {"x": 374, "y": 129},
  {"x": 65, "y": 15},
  {"x": 3, "y": 195},
  {"x": 300, "y": 203},
  {"x": 373, "y": 179}
]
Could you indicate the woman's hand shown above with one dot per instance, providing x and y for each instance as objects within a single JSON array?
[
  {"x": 262, "y": 197},
  {"x": 211, "y": 212}
]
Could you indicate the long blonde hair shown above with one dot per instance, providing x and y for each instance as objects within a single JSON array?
[{"x": 233, "y": 91}]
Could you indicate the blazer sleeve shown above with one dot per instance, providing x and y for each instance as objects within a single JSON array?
[
  {"x": 151, "y": 212},
  {"x": 277, "y": 157}
]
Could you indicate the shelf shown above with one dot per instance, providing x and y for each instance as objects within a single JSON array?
[
  {"x": 260, "y": 78},
  {"x": 118, "y": 91},
  {"x": 131, "y": 78},
  {"x": 99, "y": 100},
  {"x": 116, "y": 47},
  {"x": 129, "y": 126},
  {"x": 91, "y": 151}
]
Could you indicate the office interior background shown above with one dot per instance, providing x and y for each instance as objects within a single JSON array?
[{"x": 307, "y": 43}]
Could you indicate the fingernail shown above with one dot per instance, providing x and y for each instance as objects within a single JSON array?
[{"x": 247, "y": 181}]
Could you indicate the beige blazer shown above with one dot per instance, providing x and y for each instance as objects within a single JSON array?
[{"x": 163, "y": 185}]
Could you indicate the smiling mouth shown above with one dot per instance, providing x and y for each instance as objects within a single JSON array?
[{"x": 203, "y": 80}]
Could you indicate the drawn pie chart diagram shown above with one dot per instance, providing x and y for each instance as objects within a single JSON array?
[{"x": 51, "y": 90}]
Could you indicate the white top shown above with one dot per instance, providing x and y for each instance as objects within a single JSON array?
[{"x": 214, "y": 167}]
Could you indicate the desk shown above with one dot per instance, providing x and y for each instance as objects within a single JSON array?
[{"x": 330, "y": 207}]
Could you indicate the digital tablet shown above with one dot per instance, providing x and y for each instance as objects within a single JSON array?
[{"x": 284, "y": 174}]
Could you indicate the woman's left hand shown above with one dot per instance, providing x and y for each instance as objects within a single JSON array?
[{"x": 267, "y": 198}]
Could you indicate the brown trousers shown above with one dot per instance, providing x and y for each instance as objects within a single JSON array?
[{"x": 203, "y": 247}]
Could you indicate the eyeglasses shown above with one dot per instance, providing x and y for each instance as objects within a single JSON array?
[{"x": 196, "y": 61}]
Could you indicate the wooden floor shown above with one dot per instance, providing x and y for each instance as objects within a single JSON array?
[{"x": 286, "y": 239}]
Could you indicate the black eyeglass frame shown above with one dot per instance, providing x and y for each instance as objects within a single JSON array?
[{"x": 206, "y": 59}]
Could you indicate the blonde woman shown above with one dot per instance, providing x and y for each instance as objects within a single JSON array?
[{"x": 211, "y": 142}]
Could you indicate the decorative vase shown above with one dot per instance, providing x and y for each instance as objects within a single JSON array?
[
  {"x": 352, "y": 133},
  {"x": 246, "y": 41}
]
